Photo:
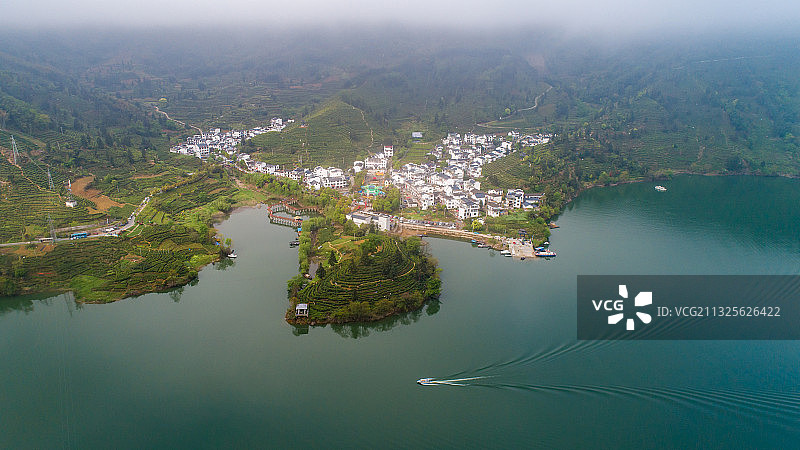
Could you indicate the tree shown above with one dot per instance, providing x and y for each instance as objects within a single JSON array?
[
  {"x": 476, "y": 225},
  {"x": 734, "y": 164}
]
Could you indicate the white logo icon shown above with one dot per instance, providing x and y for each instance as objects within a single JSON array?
[{"x": 641, "y": 299}]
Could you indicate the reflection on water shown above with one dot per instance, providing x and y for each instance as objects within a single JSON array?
[
  {"x": 222, "y": 368},
  {"x": 28, "y": 303},
  {"x": 363, "y": 329},
  {"x": 224, "y": 264},
  {"x": 176, "y": 294}
]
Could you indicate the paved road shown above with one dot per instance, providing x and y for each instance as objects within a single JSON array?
[{"x": 99, "y": 231}]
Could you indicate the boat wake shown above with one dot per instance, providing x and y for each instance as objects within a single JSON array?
[{"x": 450, "y": 382}]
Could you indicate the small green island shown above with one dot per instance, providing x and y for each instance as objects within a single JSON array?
[{"x": 361, "y": 276}]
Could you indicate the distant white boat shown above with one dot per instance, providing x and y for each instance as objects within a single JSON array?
[
  {"x": 233, "y": 255},
  {"x": 425, "y": 381},
  {"x": 661, "y": 188}
]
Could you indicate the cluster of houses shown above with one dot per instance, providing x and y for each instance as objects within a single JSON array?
[
  {"x": 448, "y": 179},
  {"x": 383, "y": 221},
  {"x": 222, "y": 145},
  {"x": 455, "y": 187},
  {"x": 377, "y": 163},
  {"x": 316, "y": 178}
]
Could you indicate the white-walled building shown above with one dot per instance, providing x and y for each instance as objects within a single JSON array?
[{"x": 467, "y": 209}]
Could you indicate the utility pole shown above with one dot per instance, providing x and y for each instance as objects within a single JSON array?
[
  {"x": 14, "y": 150},
  {"x": 50, "y": 180},
  {"x": 52, "y": 230}
]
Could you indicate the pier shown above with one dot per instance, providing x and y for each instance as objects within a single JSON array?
[
  {"x": 273, "y": 210},
  {"x": 517, "y": 249},
  {"x": 440, "y": 231}
]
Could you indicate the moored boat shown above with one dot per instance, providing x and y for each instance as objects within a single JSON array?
[
  {"x": 661, "y": 188},
  {"x": 545, "y": 254}
]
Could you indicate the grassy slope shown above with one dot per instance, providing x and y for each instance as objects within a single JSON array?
[
  {"x": 108, "y": 269},
  {"x": 335, "y": 131},
  {"x": 383, "y": 279}
]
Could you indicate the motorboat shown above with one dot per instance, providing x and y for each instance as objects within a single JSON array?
[
  {"x": 233, "y": 254},
  {"x": 424, "y": 381},
  {"x": 661, "y": 188},
  {"x": 545, "y": 254}
]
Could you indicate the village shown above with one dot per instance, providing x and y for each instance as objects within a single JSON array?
[
  {"x": 447, "y": 182},
  {"x": 222, "y": 146}
]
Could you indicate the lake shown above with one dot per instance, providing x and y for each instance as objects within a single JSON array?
[{"x": 214, "y": 364}]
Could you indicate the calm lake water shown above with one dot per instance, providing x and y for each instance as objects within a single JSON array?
[{"x": 214, "y": 364}]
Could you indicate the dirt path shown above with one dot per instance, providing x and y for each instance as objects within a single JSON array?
[
  {"x": 101, "y": 200},
  {"x": 371, "y": 133},
  {"x": 535, "y": 105},
  {"x": 176, "y": 120}
]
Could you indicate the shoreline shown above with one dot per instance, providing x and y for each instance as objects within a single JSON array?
[
  {"x": 668, "y": 177},
  {"x": 254, "y": 204}
]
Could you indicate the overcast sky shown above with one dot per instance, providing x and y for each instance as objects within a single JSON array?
[{"x": 608, "y": 15}]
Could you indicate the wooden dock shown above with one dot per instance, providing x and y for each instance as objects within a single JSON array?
[{"x": 290, "y": 221}]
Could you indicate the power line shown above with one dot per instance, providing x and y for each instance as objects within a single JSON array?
[
  {"x": 52, "y": 229},
  {"x": 14, "y": 150}
]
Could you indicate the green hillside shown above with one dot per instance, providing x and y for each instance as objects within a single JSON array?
[
  {"x": 376, "y": 276},
  {"x": 336, "y": 134},
  {"x": 111, "y": 268},
  {"x": 737, "y": 112}
]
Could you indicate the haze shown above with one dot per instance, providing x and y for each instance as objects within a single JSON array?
[{"x": 611, "y": 17}]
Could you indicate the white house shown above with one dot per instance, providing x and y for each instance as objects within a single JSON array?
[
  {"x": 494, "y": 209},
  {"x": 514, "y": 198},
  {"x": 335, "y": 182},
  {"x": 296, "y": 174},
  {"x": 360, "y": 219},
  {"x": 467, "y": 209},
  {"x": 384, "y": 224},
  {"x": 426, "y": 201},
  {"x": 531, "y": 201},
  {"x": 494, "y": 195},
  {"x": 479, "y": 197},
  {"x": 450, "y": 202},
  {"x": 375, "y": 164}
]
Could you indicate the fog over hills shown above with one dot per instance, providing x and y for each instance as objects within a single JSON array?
[{"x": 610, "y": 16}]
